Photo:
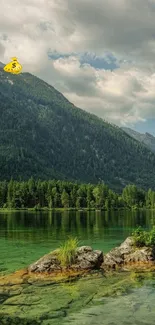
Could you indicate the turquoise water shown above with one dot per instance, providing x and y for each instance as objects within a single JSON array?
[
  {"x": 120, "y": 299},
  {"x": 24, "y": 237}
]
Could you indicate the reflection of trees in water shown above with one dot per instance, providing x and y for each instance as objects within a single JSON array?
[{"x": 84, "y": 225}]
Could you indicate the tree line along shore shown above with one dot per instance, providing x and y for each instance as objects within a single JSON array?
[{"x": 52, "y": 194}]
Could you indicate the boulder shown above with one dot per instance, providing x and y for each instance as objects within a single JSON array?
[
  {"x": 116, "y": 256},
  {"x": 113, "y": 259},
  {"x": 127, "y": 253},
  {"x": 47, "y": 263},
  {"x": 85, "y": 259},
  {"x": 127, "y": 246},
  {"x": 143, "y": 255}
]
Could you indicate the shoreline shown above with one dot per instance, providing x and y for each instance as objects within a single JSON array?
[
  {"x": 45, "y": 209},
  {"x": 124, "y": 258}
]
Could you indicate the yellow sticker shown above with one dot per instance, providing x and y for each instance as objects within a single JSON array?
[{"x": 13, "y": 67}]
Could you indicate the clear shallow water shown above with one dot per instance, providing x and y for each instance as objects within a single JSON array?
[
  {"x": 24, "y": 236},
  {"x": 123, "y": 299},
  {"x": 134, "y": 308},
  {"x": 95, "y": 300}
]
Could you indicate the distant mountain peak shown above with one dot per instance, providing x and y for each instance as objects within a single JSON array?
[
  {"x": 146, "y": 138},
  {"x": 149, "y": 135}
]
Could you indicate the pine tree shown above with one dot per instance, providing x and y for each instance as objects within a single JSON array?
[{"x": 65, "y": 199}]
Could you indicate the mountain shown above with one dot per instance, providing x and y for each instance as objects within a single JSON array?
[
  {"x": 147, "y": 138},
  {"x": 2, "y": 65},
  {"x": 45, "y": 136}
]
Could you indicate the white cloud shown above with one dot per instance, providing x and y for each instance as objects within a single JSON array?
[
  {"x": 122, "y": 96},
  {"x": 126, "y": 28}
]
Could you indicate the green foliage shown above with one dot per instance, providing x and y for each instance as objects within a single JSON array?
[
  {"x": 139, "y": 237},
  {"x": 144, "y": 238},
  {"x": 45, "y": 136},
  {"x": 67, "y": 252},
  {"x": 53, "y": 194},
  {"x": 151, "y": 237}
]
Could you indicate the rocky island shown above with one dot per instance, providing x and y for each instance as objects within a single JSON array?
[
  {"x": 137, "y": 251},
  {"x": 124, "y": 257}
]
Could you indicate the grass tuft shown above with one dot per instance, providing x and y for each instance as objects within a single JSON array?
[{"x": 67, "y": 252}]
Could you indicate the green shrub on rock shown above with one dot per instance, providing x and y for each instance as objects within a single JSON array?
[
  {"x": 144, "y": 238},
  {"x": 139, "y": 237},
  {"x": 152, "y": 237}
]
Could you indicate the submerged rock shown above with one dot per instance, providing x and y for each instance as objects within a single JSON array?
[
  {"x": 85, "y": 259},
  {"x": 48, "y": 304}
]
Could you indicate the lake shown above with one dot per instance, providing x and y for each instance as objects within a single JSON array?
[{"x": 26, "y": 236}]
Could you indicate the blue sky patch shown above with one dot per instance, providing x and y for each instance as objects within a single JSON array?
[
  {"x": 107, "y": 62},
  {"x": 143, "y": 127}
]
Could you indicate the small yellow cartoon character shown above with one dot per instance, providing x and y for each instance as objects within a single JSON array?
[{"x": 13, "y": 67}]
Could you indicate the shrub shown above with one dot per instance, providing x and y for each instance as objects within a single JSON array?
[
  {"x": 152, "y": 237},
  {"x": 142, "y": 238},
  {"x": 67, "y": 252},
  {"x": 139, "y": 237}
]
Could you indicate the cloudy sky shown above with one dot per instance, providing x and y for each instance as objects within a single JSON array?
[{"x": 100, "y": 54}]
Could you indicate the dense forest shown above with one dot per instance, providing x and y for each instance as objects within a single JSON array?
[
  {"x": 60, "y": 194},
  {"x": 45, "y": 136}
]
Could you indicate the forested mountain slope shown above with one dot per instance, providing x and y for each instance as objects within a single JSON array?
[{"x": 43, "y": 135}]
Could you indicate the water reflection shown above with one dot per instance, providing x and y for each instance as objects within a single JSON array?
[{"x": 82, "y": 224}]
